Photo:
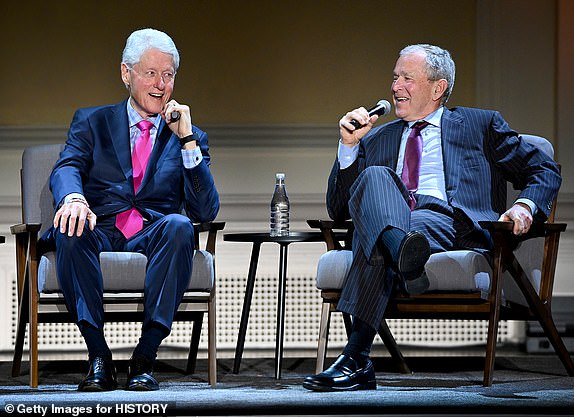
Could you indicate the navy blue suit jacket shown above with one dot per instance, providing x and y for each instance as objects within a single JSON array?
[
  {"x": 96, "y": 162},
  {"x": 480, "y": 153}
]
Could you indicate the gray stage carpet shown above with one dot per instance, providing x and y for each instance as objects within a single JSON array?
[{"x": 524, "y": 385}]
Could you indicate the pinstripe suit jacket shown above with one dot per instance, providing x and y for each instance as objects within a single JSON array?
[{"x": 480, "y": 153}]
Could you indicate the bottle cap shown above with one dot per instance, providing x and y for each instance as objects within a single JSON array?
[{"x": 280, "y": 176}]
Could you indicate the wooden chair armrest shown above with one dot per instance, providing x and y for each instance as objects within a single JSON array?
[
  {"x": 537, "y": 229},
  {"x": 211, "y": 228},
  {"x": 332, "y": 239},
  {"x": 330, "y": 224},
  {"x": 25, "y": 228},
  {"x": 26, "y": 236}
]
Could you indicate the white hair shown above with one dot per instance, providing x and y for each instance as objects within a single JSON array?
[{"x": 142, "y": 40}]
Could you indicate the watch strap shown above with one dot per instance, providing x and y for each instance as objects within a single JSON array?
[{"x": 187, "y": 139}]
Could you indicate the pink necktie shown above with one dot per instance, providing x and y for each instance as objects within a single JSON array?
[
  {"x": 412, "y": 162},
  {"x": 131, "y": 221}
]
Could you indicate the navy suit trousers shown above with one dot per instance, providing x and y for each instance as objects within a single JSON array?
[{"x": 168, "y": 244}]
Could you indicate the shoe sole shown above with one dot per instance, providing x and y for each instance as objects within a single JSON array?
[
  {"x": 414, "y": 253},
  {"x": 141, "y": 387},
  {"x": 95, "y": 388},
  {"x": 370, "y": 385}
]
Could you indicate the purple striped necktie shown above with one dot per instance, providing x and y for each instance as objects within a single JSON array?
[{"x": 412, "y": 161}]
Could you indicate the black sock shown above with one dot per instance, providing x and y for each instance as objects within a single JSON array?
[
  {"x": 360, "y": 341},
  {"x": 95, "y": 341},
  {"x": 391, "y": 239},
  {"x": 149, "y": 342}
]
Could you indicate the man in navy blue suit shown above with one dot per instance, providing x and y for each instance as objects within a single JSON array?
[
  {"x": 109, "y": 198},
  {"x": 402, "y": 216}
]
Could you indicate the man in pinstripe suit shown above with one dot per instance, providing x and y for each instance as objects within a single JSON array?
[{"x": 468, "y": 155}]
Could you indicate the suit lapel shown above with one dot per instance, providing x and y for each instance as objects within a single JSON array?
[
  {"x": 119, "y": 131},
  {"x": 452, "y": 127},
  {"x": 383, "y": 146},
  {"x": 393, "y": 142}
]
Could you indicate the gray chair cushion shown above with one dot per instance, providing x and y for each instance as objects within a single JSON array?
[
  {"x": 333, "y": 268},
  {"x": 125, "y": 272},
  {"x": 459, "y": 270},
  {"x": 447, "y": 271}
]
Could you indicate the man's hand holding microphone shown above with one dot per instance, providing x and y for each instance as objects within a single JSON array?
[{"x": 357, "y": 123}]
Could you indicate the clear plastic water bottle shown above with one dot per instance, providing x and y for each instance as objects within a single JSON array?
[{"x": 279, "y": 219}]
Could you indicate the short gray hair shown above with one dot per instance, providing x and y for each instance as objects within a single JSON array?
[
  {"x": 439, "y": 64},
  {"x": 142, "y": 40}
]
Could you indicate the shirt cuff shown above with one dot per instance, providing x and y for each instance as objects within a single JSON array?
[
  {"x": 191, "y": 157},
  {"x": 529, "y": 203},
  {"x": 347, "y": 155}
]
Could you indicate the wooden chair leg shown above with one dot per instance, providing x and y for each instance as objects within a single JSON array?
[
  {"x": 23, "y": 311},
  {"x": 393, "y": 348},
  {"x": 33, "y": 324},
  {"x": 19, "y": 345},
  {"x": 494, "y": 297},
  {"x": 323, "y": 336},
  {"x": 547, "y": 322},
  {"x": 23, "y": 301},
  {"x": 212, "y": 342},
  {"x": 543, "y": 312},
  {"x": 194, "y": 344}
]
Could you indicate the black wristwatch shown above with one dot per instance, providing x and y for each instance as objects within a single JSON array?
[{"x": 187, "y": 139}]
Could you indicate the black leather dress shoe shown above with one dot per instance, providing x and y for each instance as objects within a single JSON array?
[
  {"x": 101, "y": 376},
  {"x": 414, "y": 253},
  {"x": 140, "y": 375},
  {"x": 344, "y": 375}
]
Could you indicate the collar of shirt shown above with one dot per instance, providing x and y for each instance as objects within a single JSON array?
[
  {"x": 433, "y": 118},
  {"x": 134, "y": 118}
]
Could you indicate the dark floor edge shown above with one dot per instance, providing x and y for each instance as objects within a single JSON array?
[
  {"x": 377, "y": 410},
  {"x": 87, "y": 409}
]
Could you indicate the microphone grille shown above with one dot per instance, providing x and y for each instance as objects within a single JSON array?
[{"x": 385, "y": 107}]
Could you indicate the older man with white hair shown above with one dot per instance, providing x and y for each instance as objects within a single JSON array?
[{"x": 125, "y": 175}]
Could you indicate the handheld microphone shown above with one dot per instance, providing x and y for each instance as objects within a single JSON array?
[
  {"x": 175, "y": 115},
  {"x": 382, "y": 108}
]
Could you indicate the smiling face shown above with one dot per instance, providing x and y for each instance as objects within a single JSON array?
[
  {"x": 150, "y": 82},
  {"x": 414, "y": 95}
]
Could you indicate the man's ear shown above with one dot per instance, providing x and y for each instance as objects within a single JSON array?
[
  {"x": 439, "y": 89},
  {"x": 126, "y": 75}
]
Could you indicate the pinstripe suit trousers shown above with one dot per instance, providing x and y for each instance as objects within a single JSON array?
[{"x": 379, "y": 199}]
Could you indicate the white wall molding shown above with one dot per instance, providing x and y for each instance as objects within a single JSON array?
[
  {"x": 229, "y": 136},
  {"x": 264, "y": 139}
]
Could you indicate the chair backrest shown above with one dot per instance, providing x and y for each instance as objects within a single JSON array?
[
  {"x": 539, "y": 142},
  {"x": 37, "y": 164}
]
